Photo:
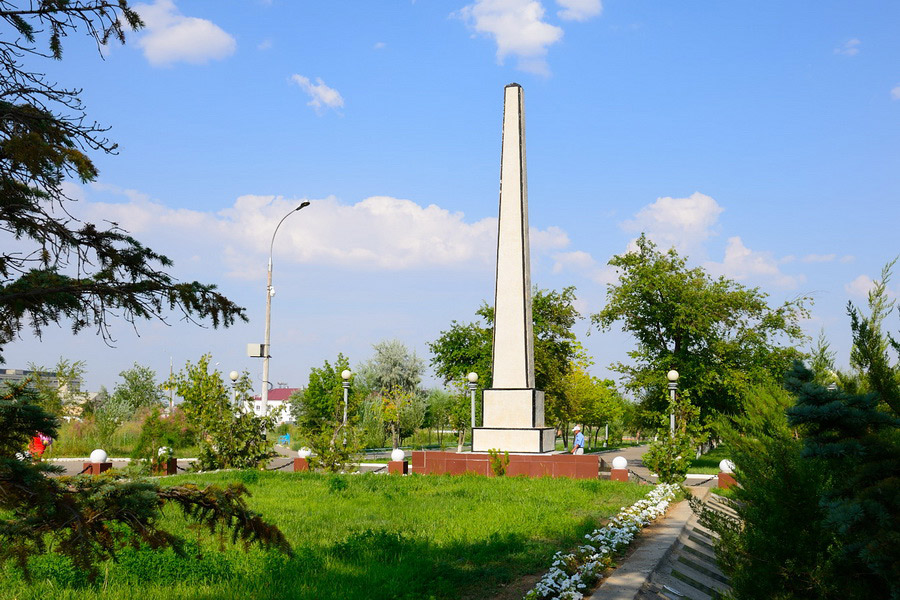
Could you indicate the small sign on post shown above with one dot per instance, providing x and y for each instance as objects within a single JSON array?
[{"x": 256, "y": 350}]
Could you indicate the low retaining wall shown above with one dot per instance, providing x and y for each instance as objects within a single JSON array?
[{"x": 585, "y": 466}]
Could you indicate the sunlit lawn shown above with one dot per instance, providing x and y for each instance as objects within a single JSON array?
[
  {"x": 359, "y": 536},
  {"x": 709, "y": 462}
]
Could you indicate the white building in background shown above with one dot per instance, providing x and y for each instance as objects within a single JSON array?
[{"x": 278, "y": 401}]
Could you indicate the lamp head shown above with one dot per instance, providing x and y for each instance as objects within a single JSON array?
[
  {"x": 345, "y": 374},
  {"x": 672, "y": 375},
  {"x": 303, "y": 204},
  {"x": 234, "y": 376},
  {"x": 472, "y": 377}
]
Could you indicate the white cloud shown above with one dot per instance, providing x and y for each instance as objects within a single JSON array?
[
  {"x": 517, "y": 27},
  {"x": 861, "y": 286},
  {"x": 895, "y": 92},
  {"x": 682, "y": 223},
  {"x": 579, "y": 10},
  {"x": 172, "y": 37},
  {"x": 321, "y": 95},
  {"x": 582, "y": 262},
  {"x": 266, "y": 44},
  {"x": 577, "y": 259},
  {"x": 379, "y": 45},
  {"x": 849, "y": 48},
  {"x": 742, "y": 263},
  {"x": 378, "y": 233},
  {"x": 847, "y": 258},
  {"x": 551, "y": 238},
  {"x": 819, "y": 258}
]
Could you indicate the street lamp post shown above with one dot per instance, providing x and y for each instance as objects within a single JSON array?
[
  {"x": 270, "y": 291},
  {"x": 672, "y": 376},
  {"x": 473, "y": 385},
  {"x": 345, "y": 376}
]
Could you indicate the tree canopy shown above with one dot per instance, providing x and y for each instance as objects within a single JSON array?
[
  {"x": 466, "y": 347},
  {"x": 720, "y": 336},
  {"x": 61, "y": 268},
  {"x": 230, "y": 437}
]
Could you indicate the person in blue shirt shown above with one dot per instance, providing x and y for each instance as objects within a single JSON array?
[{"x": 578, "y": 445}]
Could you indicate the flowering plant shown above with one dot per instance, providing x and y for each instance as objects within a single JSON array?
[{"x": 572, "y": 573}]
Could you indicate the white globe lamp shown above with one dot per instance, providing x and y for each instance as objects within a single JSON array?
[
  {"x": 99, "y": 456},
  {"x": 304, "y": 452},
  {"x": 726, "y": 466},
  {"x": 620, "y": 462},
  {"x": 397, "y": 455}
]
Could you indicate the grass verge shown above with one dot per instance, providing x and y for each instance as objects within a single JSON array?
[
  {"x": 709, "y": 462},
  {"x": 362, "y": 536}
]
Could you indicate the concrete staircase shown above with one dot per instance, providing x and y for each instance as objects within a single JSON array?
[{"x": 689, "y": 571}]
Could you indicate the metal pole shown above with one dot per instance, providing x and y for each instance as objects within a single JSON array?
[
  {"x": 472, "y": 387},
  {"x": 264, "y": 396},
  {"x": 606, "y": 440},
  {"x": 672, "y": 387},
  {"x": 346, "y": 386}
]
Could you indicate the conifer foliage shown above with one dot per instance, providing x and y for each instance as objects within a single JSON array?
[
  {"x": 61, "y": 268},
  {"x": 819, "y": 470},
  {"x": 88, "y": 519}
]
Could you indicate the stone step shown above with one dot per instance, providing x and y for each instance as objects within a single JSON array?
[{"x": 665, "y": 585}]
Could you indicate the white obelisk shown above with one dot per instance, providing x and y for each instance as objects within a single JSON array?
[{"x": 513, "y": 408}]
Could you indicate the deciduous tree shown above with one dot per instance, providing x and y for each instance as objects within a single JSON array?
[
  {"x": 139, "y": 389},
  {"x": 393, "y": 374},
  {"x": 467, "y": 347},
  {"x": 720, "y": 336},
  {"x": 229, "y": 437}
]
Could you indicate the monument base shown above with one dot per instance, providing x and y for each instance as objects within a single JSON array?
[
  {"x": 585, "y": 466},
  {"x": 531, "y": 440}
]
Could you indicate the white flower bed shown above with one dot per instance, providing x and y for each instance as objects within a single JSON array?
[{"x": 577, "y": 571}]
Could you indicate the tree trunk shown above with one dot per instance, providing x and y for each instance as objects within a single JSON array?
[
  {"x": 395, "y": 439},
  {"x": 460, "y": 440}
]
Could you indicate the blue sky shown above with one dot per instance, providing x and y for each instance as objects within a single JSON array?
[{"x": 761, "y": 139}]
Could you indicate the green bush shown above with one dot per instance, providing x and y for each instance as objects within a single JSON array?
[{"x": 669, "y": 457}]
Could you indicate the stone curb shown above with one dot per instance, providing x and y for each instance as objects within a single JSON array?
[{"x": 654, "y": 545}]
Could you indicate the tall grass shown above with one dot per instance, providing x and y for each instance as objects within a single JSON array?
[
  {"x": 79, "y": 438},
  {"x": 358, "y": 536}
]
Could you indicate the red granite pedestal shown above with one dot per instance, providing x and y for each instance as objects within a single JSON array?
[
  {"x": 301, "y": 464},
  {"x": 92, "y": 468},
  {"x": 170, "y": 467},
  {"x": 583, "y": 466},
  {"x": 398, "y": 467},
  {"x": 726, "y": 480},
  {"x": 618, "y": 475}
]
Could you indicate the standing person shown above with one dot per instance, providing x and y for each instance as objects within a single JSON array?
[{"x": 578, "y": 445}]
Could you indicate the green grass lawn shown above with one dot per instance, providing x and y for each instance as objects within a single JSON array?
[
  {"x": 358, "y": 536},
  {"x": 709, "y": 462}
]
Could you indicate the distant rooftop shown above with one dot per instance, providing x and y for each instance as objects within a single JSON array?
[{"x": 281, "y": 394}]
